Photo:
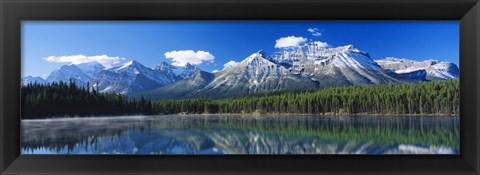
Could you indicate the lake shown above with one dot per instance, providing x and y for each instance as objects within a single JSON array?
[{"x": 242, "y": 134}]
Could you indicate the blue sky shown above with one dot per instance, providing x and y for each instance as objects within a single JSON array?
[{"x": 210, "y": 44}]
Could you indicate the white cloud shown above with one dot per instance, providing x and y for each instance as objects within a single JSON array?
[
  {"x": 215, "y": 71},
  {"x": 289, "y": 41},
  {"x": 321, "y": 44},
  {"x": 182, "y": 57},
  {"x": 105, "y": 60},
  {"x": 229, "y": 64},
  {"x": 314, "y": 32},
  {"x": 312, "y": 29}
]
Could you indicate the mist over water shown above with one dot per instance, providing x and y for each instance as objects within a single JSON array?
[{"x": 243, "y": 134}]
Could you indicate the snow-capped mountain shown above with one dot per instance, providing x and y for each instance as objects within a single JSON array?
[
  {"x": 168, "y": 70},
  {"x": 179, "y": 72},
  {"x": 128, "y": 78},
  {"x": 190, "y": 87},
  {"x": 256, "y": 74},
  {"x": 420, "y": 75},
  {"x": 435, "y": 69},
  {"x": 133, "y": 77},
  {"x": 70, "y": 72},
  {"x": 91, "y": 68},
  {"x": 306, "y": 67},
  {"x": 187, "y": 71},
  {"x": 80, "y": 73},
  {"x": 344, "y": 65},
  {"x": 252, "y": 75},
  {"x": 309, "y": 66},
  {"x": 30, "y": 79}
]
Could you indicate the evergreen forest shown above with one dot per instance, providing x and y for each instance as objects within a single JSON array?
[{"x": 67, "y": 99}]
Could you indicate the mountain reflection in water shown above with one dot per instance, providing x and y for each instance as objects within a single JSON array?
[{"x": 235, "y": 134}]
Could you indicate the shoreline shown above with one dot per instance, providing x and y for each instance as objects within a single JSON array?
[
  {"x": 323, "y": 115},
  {"x": 244, "y": 114}
]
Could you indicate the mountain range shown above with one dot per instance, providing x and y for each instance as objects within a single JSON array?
[
  {"x": 433, "y": 69},
  {"x": 129, "y": 78},
  {"x": 309, "y": 66}
]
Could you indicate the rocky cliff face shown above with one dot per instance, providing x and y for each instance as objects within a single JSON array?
[
  {"x": 435, "y": 69},
  {"x": 345, "y": 65}
]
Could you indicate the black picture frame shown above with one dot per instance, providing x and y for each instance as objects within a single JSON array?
[{"x": 12, "y": 12}]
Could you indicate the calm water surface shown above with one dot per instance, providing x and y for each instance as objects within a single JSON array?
[{"x": 235, "y": 134}]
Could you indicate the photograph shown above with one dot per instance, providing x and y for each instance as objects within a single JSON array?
[{"x": 262, "y": 87}]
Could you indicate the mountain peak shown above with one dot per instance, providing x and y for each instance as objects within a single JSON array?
[
  {"x": 127, "y": 63},
  {"x": 132, "y": 63},
  {"x": 68, "y": 67},
  {"x": 92, "y": 63},
  {"x": 262, "y": 53},
  {"x": 164, "y": 66},
  {"x": 257, "y": 55},
  {"x": 349, "y": 48},
  {"x": 91, "y": 68},
  {"x": 189, "y": 66},
  {"x": 187, "y": 71},
  {"x": 29, "y": 79},
  {"x": 69, "y": 72},
  {"x": 435, "y": 69}
]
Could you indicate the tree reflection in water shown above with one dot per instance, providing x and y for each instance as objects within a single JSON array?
[{"x": 235, "y": 134}]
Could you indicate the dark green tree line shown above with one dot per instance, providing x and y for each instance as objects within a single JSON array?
[
  {"x": 436, "y": 97},
  {"x": 67, "y": 99}
]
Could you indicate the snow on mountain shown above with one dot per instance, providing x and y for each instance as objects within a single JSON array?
[
  {"x": 190, "y": 87},
  {"x": 256, "y": 74},
  {"x": 435, "y": 69},
  {"x": 252, "y": 75},
  {"x": 29, "y": 79},
  {"x": 69, "y": 72},
  {"x": 180, "y": 72},
  {"x": 306, "y": 67},
  {"x": 80, "y": 73},
  {"x": 128, "y": 78},
  {"x": 187, "y": 71},
  {"x": 420, "y": 75},
  {"x": 163, "y": 66},
  {"x": 344, "y": 65},
  {"x": 91, "y": 68},
  {"x": 168, "y": 70},
  {"x": 133, "y": 77}
]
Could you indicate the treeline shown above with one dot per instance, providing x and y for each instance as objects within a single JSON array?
[
  {"x": 435, "y": 97},
  {"x": 67, "y": 99}
]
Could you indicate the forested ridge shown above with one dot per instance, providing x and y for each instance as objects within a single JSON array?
[
  {"x": 66, "y": 99},
  {"x": 435, "y": 97}
]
